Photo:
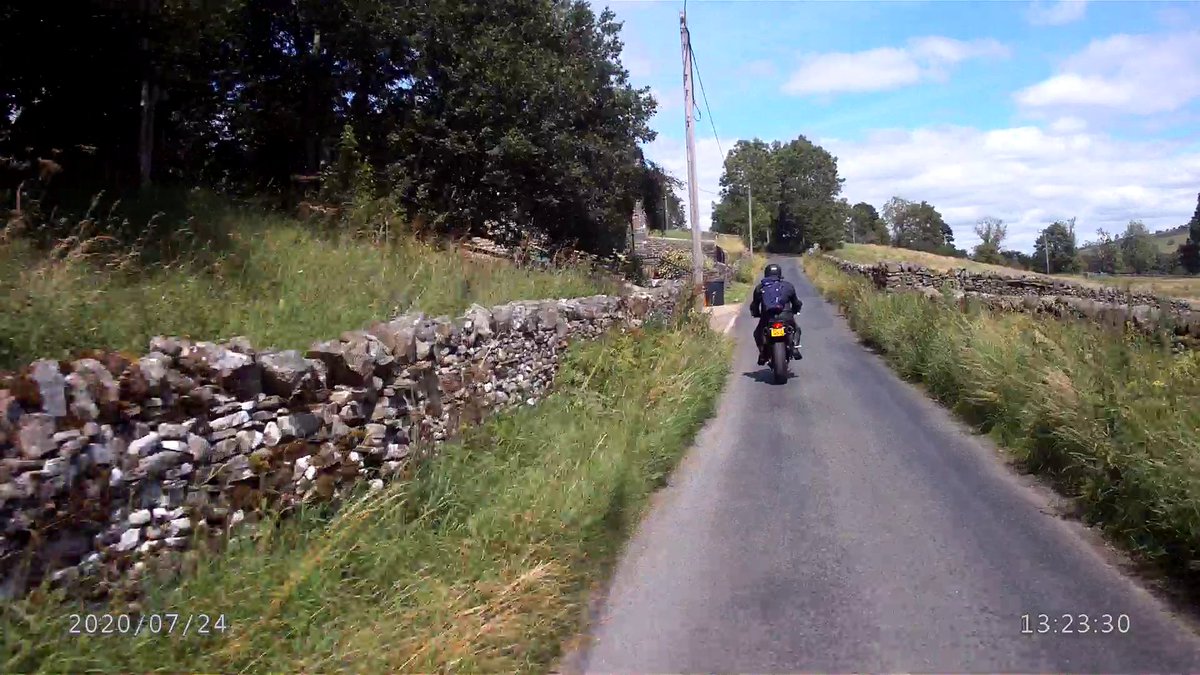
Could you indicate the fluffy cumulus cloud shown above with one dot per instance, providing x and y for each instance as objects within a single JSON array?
[
  {"x": 1028, "y": 176},
  {"x": 885, "y": 68},
  {"x": 1125, "y": 74},
  {"x": 1056, "y": 12}
]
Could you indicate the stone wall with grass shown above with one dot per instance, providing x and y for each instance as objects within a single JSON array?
[
  {"x": 1107, "y": 306},
  {"x": 115, "y": 465}
]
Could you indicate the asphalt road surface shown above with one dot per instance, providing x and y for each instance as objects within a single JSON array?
[{"x": 844, "y": 522}]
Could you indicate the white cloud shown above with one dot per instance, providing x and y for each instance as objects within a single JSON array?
[
  {"x": 1056, "y": 12},
  {"x": 886, "y": 68},
  {"x": 1068, "y": 125},
  {"x": 1028, "y": 176},
  {"x": 1136, "y": 74}
]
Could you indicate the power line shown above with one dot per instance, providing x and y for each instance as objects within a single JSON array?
[{"x": 703, "y": 93}]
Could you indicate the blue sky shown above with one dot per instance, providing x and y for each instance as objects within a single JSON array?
[{"x": 1025, "y": 111}]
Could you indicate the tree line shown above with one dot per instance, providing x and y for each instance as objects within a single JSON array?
[
  {"x": 794, "y": 188},
  {"x": 1134, "y": 251},
  {"x": 460, "y": 112}
]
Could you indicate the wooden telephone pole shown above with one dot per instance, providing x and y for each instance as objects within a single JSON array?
[
  {"x": 750, "y": 215},
  {"x": 693, "y": 205}
]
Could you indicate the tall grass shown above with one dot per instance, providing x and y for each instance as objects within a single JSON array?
[
  {"x": 479, "y": 564},
  {"x": 747, "y": 271},
  {"x": 1112, "y": 419},
  {"x": 749, "y": 268},
  {"x": 276, "y": 280}
]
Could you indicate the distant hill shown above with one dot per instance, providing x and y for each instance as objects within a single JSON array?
[{"x": 1168, "y": 241}]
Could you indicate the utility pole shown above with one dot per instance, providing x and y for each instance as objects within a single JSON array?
[
  {"x": 1046, "y": 250},
  {"x": 666, "y": 215},
  {"x": 750, "y": 214},
  {"x": 689, "y": 106}
]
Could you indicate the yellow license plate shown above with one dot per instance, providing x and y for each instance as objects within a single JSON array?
[{"x": 776, "y": 332}]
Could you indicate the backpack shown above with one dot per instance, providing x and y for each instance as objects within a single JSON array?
[{"x": 774, "y": 295}]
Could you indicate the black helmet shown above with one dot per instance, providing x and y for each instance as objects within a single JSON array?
[{"x": 773, "y": 270}]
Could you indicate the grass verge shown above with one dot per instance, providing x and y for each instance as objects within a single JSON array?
[
  {"x": 1112, "y": 419},
  {"x": 736, "y": 292},
  {"x": 268, "y": 277},
  {"x": 479, "y": 564}
]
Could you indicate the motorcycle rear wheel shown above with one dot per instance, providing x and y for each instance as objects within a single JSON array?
[{"x": 779, "y": 361}]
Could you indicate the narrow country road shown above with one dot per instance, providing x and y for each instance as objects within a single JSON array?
[{"x": 843, "y": 522}]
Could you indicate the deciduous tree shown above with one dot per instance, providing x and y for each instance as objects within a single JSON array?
[{"x": 991, "y": 232}]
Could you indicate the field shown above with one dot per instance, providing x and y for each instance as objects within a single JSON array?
[
  {"x": 480, "y": 563},
  {"x": 1165, "y": 242},
  {"x": 1112, "y": 420},
  {"x": 869, "y": 254},
  {"x": 271, "y": 278},
  {"x": 731, "y": 243},
  {"x": 1176, "y": 287}
]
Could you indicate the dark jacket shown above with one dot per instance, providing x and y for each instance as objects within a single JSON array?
[{"x": 794, "y": 303}]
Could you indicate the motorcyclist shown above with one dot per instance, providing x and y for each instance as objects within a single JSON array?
[{"x": 787, "y": 306}]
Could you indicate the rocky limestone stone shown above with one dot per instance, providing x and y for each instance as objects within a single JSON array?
[
  {"x": 272, "y": 434},
  {"x": 231, "y": 421},
  {"x": 480, "y": 324},
  {"x": 223, "y": 450},
  {"x": 353, "y": 413},
  {"x": 502, "y": 316},
  {"x": 179, "y": 526},
  {"x": 375, "y": 433},
  {"x": 399, "y": 336},
  {"x": 10, "y": 410},
  {"x": 52, "y": 386},
  {"x": 157, "y": 464},
  {"x": 287, "y": 373},
  {"x": 100, "y": 454},
  {"x": 240, "y": 344},
  {"x": 236, "y": 469},
  {"x": 236, "y": 372},
  {"x": 145, "y": 445},
  {"x": 129, "y": 539},
  {"x": 298, "y": 425},
  {"x": 90, "y": 377},
  {"x": 155, "y": 368},
  {"x": 35, "y": 435},
  {"x": 276, "y": 402},
  {"x": 167, "y": 345},
  {"x": 170, "y": 431},
  {"x": 249, "y": 440}
]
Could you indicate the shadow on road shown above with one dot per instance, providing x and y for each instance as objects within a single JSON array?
[{"x": 764, "y": 375}]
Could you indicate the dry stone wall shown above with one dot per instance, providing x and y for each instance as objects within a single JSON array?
[
  {"x": 672, "y": 259},
  {"x": 1107, "y": 306},
  {"x": 114, "y": 466}
]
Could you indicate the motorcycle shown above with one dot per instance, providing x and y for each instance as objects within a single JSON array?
[{"x": 777, "y": 337}]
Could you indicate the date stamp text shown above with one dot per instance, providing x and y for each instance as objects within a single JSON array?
[{"x": 180, "y": 624}]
